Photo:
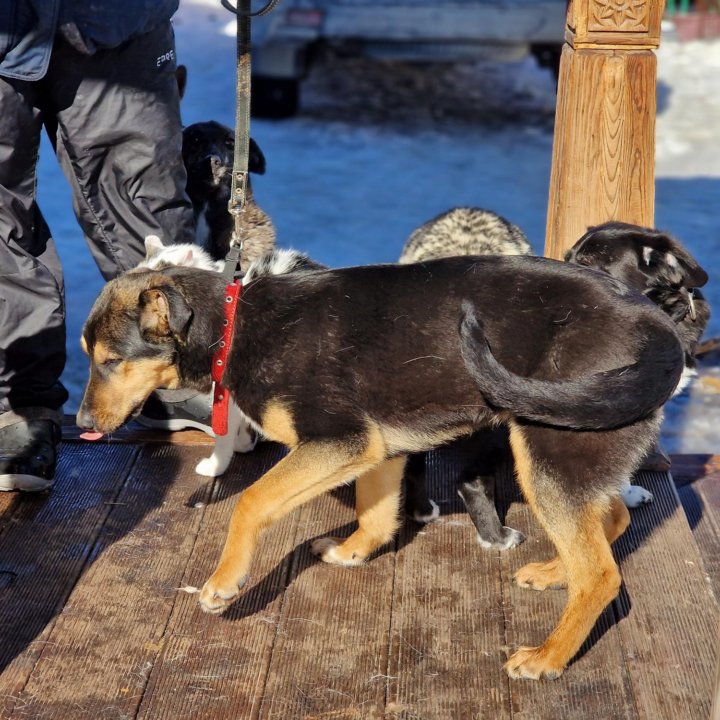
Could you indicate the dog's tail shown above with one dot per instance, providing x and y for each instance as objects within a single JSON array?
[{"x": 596, "y": 402}]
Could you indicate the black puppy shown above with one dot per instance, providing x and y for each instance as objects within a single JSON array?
[
  {"x": 207, "y": 152},
  {"x": 660, "y": 267}
]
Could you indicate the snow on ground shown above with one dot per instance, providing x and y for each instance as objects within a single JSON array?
[{"x": 379, "y": 148}]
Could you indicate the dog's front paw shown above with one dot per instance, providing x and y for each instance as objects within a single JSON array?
[
  {"x": 542, "y": 576},
  {"x": 329, "y": 550},
  {"x": 212, "y": 466},
  {"x": 217, "y": 595},
  {"x": 510, "y": 538},
  {"x": 532, "y": 663},
  {"x": 635, "y": 495}
]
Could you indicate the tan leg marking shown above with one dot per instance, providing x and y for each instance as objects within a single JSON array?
[
  {"x": 551, "y": 575},
  {"x": 278, "y": 424},
  {"x": 377, "y": 501},
  {"x": 307, "y": 471},
  {"x": 593, "y": 577}
]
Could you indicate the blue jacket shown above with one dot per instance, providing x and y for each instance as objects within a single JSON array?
[{"x": 28, "y": 28}]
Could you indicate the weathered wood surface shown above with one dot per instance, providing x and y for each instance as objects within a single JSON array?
[
  {"x": 698, "y": 480},
  {"x": 92, "y": 624}
]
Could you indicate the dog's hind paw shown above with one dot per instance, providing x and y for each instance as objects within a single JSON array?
[
  {"x": 635, "y": 495},
  {"x": 433, "y": 515},
  {"x": 328, "y": 549},
  {"x": 542, "y": 576},
  {"x": 510, "y": 539},
  {"x": 531, "y": 663}
]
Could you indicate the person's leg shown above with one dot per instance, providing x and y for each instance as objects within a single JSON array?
[
  {"x": 119, "y": 142},
  {"x": 32, "y": 312}
]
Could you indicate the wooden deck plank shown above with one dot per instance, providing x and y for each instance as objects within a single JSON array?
[
  {"x": 701, "y": 502},
  {"x": 595, "y": 684},
  {"x": 105, "y": 641},
  {"x": 691, "y": 467},
  {"x": 669, "y": 625},
  {"x": 133, "y": 433},
  {"x": 448, "y": 630},
  {"x": 215, "y": 667},
  {"x": 419, "y": 632},
  {"x": 697, "y": 478},
  {"x": 9, "y": 503},
  {"x": 44, "y": 551},
  {"x": 331, "y": 652}
]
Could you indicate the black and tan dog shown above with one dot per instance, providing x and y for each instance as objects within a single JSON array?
[{"x": 352, "y": 369}]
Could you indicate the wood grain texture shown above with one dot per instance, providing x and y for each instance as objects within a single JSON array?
[
  {"x": 330, "y": 657},
  {"x": 615, "y": 22},
  {"x": 92, "y": 626},
  {"x": 603, "y": 151},
  {"x": 448, "y": 628},
  {"x": 44, "y": 553},
  {"x": 215, "y": 667},
  {"x": 669, "y": 611},
  {"x": 595, "y": 684}
]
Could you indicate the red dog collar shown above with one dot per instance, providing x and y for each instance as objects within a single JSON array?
[{"x": 221, "y": 397}]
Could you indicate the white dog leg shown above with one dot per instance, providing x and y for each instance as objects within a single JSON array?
[
  {"x": 635, "y": 495},
  {"x": 218, "y": 462}
]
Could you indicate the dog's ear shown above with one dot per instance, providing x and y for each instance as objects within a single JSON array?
[
  {"x": 256, "y": 161},
  {"x": 666, "y": 258},
  {"x": 164, "y": 313},
  {"x": 153, "y": 245},
  {"x": 181, "y": 77}
]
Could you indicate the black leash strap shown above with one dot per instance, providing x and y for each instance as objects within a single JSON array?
[
  {"x": 241, "y": 158},
  {"x": 238, "y": 188}
]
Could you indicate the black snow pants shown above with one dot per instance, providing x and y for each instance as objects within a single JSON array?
[{"x": 115, "y": 118}]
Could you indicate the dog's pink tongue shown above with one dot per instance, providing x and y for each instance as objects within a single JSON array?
[{"x": 91, "y": 436}]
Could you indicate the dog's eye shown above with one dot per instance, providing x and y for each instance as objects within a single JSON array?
[
  {"x": 229, "y": 142},
  {"x": 111, "y": 363}
]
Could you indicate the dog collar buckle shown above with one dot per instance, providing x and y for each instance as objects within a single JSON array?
[{"x": 221, "y": 397}]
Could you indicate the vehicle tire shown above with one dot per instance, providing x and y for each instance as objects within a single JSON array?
[{"x": 274, "y": 98}]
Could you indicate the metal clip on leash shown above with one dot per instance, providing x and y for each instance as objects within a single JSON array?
[{"x": 238, "y": 188}]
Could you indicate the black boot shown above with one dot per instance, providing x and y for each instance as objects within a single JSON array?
[{"x": 28, "y": 452}]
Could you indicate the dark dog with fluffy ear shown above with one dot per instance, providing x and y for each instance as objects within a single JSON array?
[
  {"x": 660, "y": 267},
  {"x": 208, "y": 149}
]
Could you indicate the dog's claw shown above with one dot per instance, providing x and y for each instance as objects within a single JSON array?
[
  {"x": 541, "y": 576},
  {"x": 327, "y": 550},
  {"x": 215, "y": 599},
  {"x": 510, "y": 539},
  {"x": 635, "y": 495},
  {"x": 211, "y": 466},
  {"x": 434, "y": 514},
  {"x": 529, "y": 663}
]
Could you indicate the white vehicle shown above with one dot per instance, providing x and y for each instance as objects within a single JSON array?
[{"x": 284, "y": 41}]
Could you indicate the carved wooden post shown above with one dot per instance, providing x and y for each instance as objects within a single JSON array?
[{"x": 603, "y": 161}]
